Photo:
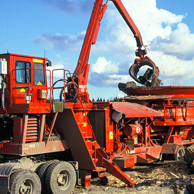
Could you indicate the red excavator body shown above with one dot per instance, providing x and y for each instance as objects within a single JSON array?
[
  {"x": 71, "y": 137},
  {"x": 26, "y": 83}
]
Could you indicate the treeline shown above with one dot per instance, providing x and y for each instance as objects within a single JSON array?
[
  {"x": 115, "y": 99},
  {"x": 98, "y": 100}
]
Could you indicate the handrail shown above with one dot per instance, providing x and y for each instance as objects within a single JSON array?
[{"x": 69, "y": 76}]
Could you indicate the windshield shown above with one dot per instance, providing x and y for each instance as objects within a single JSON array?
[
  {"x": 22, "y": 72},
  {"x": 39, "y": 75}
]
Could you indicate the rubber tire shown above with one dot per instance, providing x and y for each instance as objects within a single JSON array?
[
  {"x": 42, "y": 172},
  {"x": 104, "y": 181},
  {"x": 19, "y": 176},
  {"x": 51, "y": 177},
  {"x": 189, "y": 154},
  {"x": 180, "y": 150},
  {"x": 190, "y": 188}
]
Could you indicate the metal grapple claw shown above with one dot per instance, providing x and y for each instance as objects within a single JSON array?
[{"x": 149, "y": 75}]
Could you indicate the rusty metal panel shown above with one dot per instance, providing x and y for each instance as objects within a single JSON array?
[
  {"x": 69, "y": 130},
  {"x": 176, "y": 139},
  {"x": 135, "y": 110},
  {"x": 97, "y": 120},
  {"x": 57, "y": 107},
  {"x": 124, "y": 162},
  {"x": 174, "y": 91},
  {"x": 169, "y": 148},
  {"x": 34, "y": 148},
  {"x": 146, "y": 98}
]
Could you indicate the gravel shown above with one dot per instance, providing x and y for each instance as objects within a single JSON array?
[{"x": 160, "y": 178}]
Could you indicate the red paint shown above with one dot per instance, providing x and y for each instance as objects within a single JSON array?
[{"x": 150, "y": 123}]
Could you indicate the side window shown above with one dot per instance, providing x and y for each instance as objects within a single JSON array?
[
  {"x": 23, "y": 72},
  {"x": 39, "y": 75}
]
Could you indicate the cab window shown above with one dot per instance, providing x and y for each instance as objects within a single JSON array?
[
  {"x": 23, "y": 72},
  {"x": 39, "y": 75}
]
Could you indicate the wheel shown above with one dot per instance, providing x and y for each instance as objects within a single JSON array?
[
  {"x": 180, "y": 154},
  {"x": 60, "y": 178},
  {"x": 104, "y": 181},
  {"x": 25, "y": 182},
  {"x": 190, "y": 188},
  {"x": 42, "y": 172},
  {"x": 189, "y": 154}
]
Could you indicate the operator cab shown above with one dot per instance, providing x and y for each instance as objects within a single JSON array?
[{"x": 24, "y": 89}]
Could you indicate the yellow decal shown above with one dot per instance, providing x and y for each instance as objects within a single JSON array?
[
  {"x": 39, "y": 84},
  {"x": 110, "y": 135},
  {"x": 182, "y": 133},
  {"x": 84, "y": 124},
  {"x": 37, "y": 60},
  {"x": 20, "y": 90}
]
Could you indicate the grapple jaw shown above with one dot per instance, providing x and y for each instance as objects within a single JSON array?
[{"x": 149, "y": 76}]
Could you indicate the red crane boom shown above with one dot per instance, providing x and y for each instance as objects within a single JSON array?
[{"x": 82, "y": 69}]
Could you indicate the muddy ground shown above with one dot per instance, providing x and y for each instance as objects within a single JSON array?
[{"x": 159, "y": 178}]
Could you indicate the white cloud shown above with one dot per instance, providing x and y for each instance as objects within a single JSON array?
[
  {"x": 58, "y": 73},
  {"x": 173, "y": 71},
  {"x": 66, "y": 42},
  {"x": 104, "y": 66},
  {"x": 120, "y": 95},
  {"x": 151, "y": 21},
  {"x": 169, "y": 40},
  {"x": 179, "y": 43},
  {"x": 170, "y": 43}
]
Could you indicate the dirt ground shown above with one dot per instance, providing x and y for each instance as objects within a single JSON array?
[{"x": 160, "y": 178}]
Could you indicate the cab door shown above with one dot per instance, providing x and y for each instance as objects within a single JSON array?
[
  {"x": 39, "y": 81},
  {"x": 21, "y": 80}
]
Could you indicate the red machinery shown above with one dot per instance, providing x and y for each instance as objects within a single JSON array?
[{"x": 43, "y": 139}]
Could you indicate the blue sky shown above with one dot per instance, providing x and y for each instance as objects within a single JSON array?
[{"x": 58, "y": 26}]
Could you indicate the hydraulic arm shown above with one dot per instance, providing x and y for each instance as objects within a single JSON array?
[
  {"x": 140, "y": 52},
  {"x": 82, "y": 69}
]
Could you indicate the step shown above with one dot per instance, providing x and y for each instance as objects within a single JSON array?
[
  {"x": 32, "y": 125},
  {"x": 32, "y": 118},
  {"x": 32, "y": 128},
  {"x": 145, "y": 159},
  {"x": 32, "y": 134},
  {"x": 32, "y": 131},
  {"x": 100, "y": 169},
  {"x": 31, "y": 138}
]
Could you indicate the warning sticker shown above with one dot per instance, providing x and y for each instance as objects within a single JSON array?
[
  {"x": 38, "y": 60},
  {"x": 84, "y": 124},
  {"x": 20, "y": 90},
  {"x": 39, "y": 84},
  {"x": 110, "y": 135}
]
